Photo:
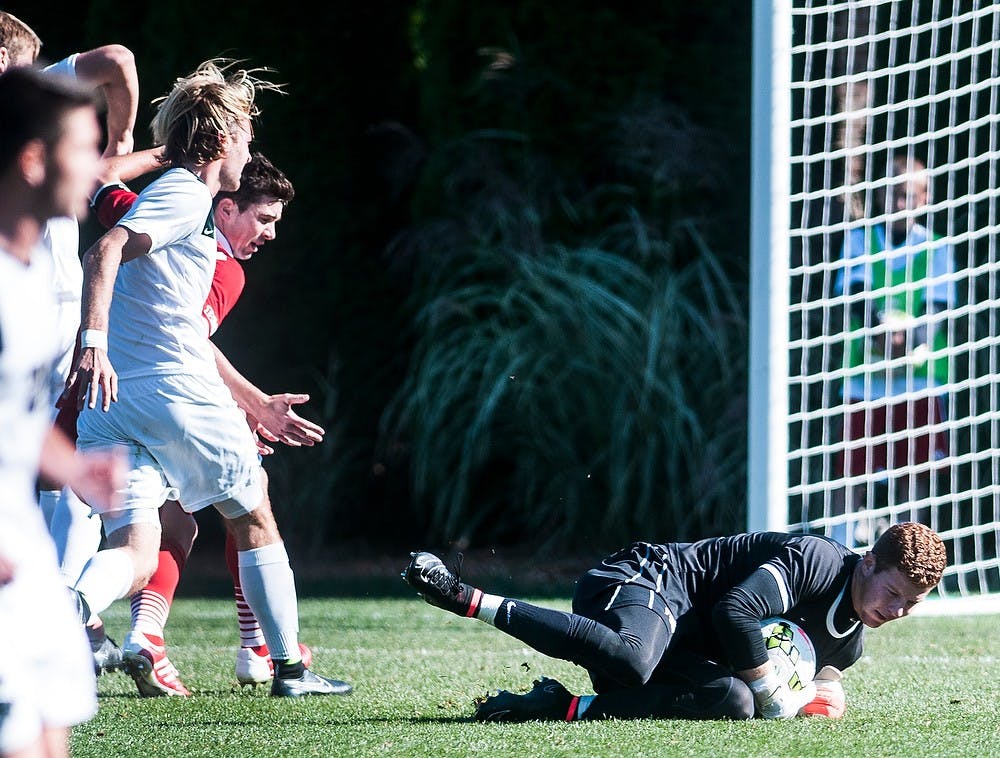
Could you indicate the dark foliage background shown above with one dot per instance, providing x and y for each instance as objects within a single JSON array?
[{"x": 553, "y": 186}]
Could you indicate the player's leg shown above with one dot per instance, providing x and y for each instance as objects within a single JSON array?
[
  {"x": 268, "y": 585},
  {"x": 76, "y": 532},
  {"x": 701, "y": 691},
  {"x": 150, "y": 606},
  {"x": 253, "y": 659},
  {"x": 612, "y": 632},
  {"x": 132, "y": 533},
  {"x": 223, "y": 470},
  {"x": 46, "y": 681},
  {"x": 690, "y": 688},
  {"x": 129, "y": 556},
  {"x": 75, "y": 529},
  {"x": 123, "y": 566}
]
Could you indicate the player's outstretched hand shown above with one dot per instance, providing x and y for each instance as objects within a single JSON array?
[
  {"x": 277, "y": 422},
  {"x": 259, "y": 435},
  {"x": 830, "y": 700}
]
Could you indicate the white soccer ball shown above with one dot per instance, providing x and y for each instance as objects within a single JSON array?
[{"x": 790, "y": 650}]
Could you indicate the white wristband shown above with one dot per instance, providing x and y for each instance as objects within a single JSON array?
[{"x": 94, "y": 338}]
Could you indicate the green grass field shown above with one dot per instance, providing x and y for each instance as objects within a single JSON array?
[{"x": 926, "y": 687}]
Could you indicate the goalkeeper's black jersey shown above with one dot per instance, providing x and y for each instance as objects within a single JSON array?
[{"x": 718, "y": 590}]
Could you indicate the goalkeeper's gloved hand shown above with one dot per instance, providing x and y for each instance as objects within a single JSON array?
[
  {"x": 830, "y": 700},
  {"x": 776, "y": 700}
]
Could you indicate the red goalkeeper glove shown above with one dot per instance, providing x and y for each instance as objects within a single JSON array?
[{"x": 830, "y": 700}]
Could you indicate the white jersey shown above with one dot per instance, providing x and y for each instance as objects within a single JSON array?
[
  {"x": 61, "y": 239},
  {"x": 156, "y": 326},
  {"x": 50, "y": 681},
  {"x": 27, "y": 352},
  {"x": 65, "y": 67}
]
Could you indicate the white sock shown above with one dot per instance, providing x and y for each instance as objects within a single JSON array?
[
  {"x": 106, "y": 577},
  {"x": 488, "y": 607},
  {"x": 269, "y": 588}
]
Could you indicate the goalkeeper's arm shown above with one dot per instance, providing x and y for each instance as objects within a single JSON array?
[{"x": 830, "y": 700}]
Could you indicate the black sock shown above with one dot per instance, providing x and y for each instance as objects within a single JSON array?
[{"x": 285, "y": 670}]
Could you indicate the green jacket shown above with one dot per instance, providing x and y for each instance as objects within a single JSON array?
[{"x": 903, "y": 290}]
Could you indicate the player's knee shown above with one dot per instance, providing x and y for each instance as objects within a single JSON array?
[
  {"x": 738, "y": 702},
  {"x": 179, "y": 528},
  {"x": 254, "y": 529},
  {"x": 635, "y": 665},
  {"x": 145, "y": 566},
  {"x": 726, "y": 697},
  {"x": 628, "y": 659}
]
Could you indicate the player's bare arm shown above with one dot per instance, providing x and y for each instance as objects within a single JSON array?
[
  {"x": 123, "y": 168},
  {"x": 111, "y": 68},
  {"x": 96, "y": 375},
  {"x": 270, "y": 415}
]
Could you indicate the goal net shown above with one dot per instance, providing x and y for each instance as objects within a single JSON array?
[{"x": 875, "y": 347}]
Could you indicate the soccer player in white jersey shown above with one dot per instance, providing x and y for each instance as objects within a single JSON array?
[
  {"x": 149, "y": 379},
  {"x": 109, "y": 69},
  {"x": 245, "y": 220},
  {"x": 48, "y": 160}
]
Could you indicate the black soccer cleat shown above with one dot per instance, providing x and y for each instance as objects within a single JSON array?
[
  {"x": 547, "y": 701},
  {"x": 308, "y": 684},
  {"x": 107, "y": 655},
  {"x": 428, "y": 575}
]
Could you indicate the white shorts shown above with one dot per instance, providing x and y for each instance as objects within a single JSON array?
[
  {"x": 47, "y": 672},
  {"x": 185, "y": 440}
]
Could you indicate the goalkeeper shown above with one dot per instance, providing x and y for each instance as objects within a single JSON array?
[{"x": 673, "y": 630}]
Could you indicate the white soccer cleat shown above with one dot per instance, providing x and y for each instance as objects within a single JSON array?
[
  {"x": 147, "y": 663},
  {"x": 254, "y": 665}
]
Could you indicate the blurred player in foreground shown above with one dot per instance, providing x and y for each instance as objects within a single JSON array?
[
  {"x": 49, "y": 137},
  {"x": 673, "y": 630},
  {"x": 109, "y": 70}
]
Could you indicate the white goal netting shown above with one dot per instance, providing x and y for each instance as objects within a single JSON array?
[{"x": 875, "y": 360}]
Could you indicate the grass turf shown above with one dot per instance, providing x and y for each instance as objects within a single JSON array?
[{"x": 926, "y": 687}]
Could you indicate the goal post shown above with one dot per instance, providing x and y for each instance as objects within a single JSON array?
[{"x": 875, "y": 329}]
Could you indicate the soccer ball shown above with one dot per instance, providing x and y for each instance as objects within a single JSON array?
[{"x": 790, "y": 650}]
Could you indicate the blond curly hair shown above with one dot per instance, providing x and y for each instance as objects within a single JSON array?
[{"x": 212, "y": 101}]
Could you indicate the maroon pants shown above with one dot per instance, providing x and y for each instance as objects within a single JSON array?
[{"x": 862, "y": 424}]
